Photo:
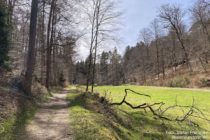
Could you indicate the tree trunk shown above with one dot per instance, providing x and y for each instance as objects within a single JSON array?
[
  {"x": 181, "y": 41},
  {"x": 96, "y": 44},
  {"x": 49, "y": 45},
  {"x": 31, "y": 49},
  {"x": 91, "y": 51},
  {"x": 157, "y": 54},
  {"x": 163, "y": 63},
  {"x": 43, "y": 44}
]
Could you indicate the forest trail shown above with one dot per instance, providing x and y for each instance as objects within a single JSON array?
[{"x": 51, "y": 122}]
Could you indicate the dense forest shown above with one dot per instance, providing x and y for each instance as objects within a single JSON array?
[
  {"x": 166, "y": 44},
  {"x": 41, "y": 41}
]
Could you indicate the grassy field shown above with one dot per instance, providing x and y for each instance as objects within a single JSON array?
[{"x": 90, "y": 123}]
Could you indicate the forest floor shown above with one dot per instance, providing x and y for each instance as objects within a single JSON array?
[{"x": 51, "y": 121}]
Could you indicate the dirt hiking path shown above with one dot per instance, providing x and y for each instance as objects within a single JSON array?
[{"x": 51, "y": 122}]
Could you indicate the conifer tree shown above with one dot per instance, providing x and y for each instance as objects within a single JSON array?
[{"x": 4, "y": 36}]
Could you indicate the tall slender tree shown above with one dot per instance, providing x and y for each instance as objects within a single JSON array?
[
  {"x": 31, "y": 48},
  {"x": 49, "y": 42},
  {"x": 102, "y": 17}
]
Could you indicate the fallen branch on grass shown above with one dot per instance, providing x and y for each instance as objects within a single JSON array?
[
  {"x": 160, "y": 112},
  {"x": 124, "y": 99}
]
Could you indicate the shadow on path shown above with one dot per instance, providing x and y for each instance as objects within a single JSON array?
[{"x": 51, "y": 122}]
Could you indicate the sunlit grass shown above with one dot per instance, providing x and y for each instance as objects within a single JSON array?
[
  {"x": 87, "y": 125},
  {"x": 167, "y": 95},
  {"x": 144, "y": 125}
]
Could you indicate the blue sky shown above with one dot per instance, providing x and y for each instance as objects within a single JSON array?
[{"x": 138, "y": 14}]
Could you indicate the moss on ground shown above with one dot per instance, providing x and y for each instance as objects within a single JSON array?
[{"x": 13, "y": 125}]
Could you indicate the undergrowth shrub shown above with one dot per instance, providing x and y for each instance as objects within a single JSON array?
[
  {"x": 40, "y": 92},
  {"x": 205, "y": 82},
  {"x": 179, "y": 82}
]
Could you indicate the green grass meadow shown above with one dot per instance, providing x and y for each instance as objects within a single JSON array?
[{"x": 88, "y": 123}]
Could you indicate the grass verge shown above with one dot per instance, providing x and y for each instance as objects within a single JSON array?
[
  {"x": 13, "y": 125},
  {"x": 90, "y": 120},
  {"x": 18, "y": 111}
]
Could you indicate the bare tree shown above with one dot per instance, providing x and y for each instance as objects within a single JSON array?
[
  {"x": 172, "y": 16},
  {"x": 92, "y": 19},
  {"x": 201, "y": 16},
  {"x": 102, "y": 19},
  {"x": 200, "y": 13},
  {"x": 172, "y": 35},
  {"x": 146, "y": 37},
  {"x": 98, "y": 12},
  {"x": 156, "y": 32}
]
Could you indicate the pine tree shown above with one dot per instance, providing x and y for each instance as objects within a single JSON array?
[
  {"x": 4, "y": 36},
  {"x": 116, "y": 68},
  {"x": 104, "y": 67}
]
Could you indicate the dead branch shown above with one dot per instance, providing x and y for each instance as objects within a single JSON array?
[
  {"x": 124, "y": 101},
  {"x": 160, "y": 112}
]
